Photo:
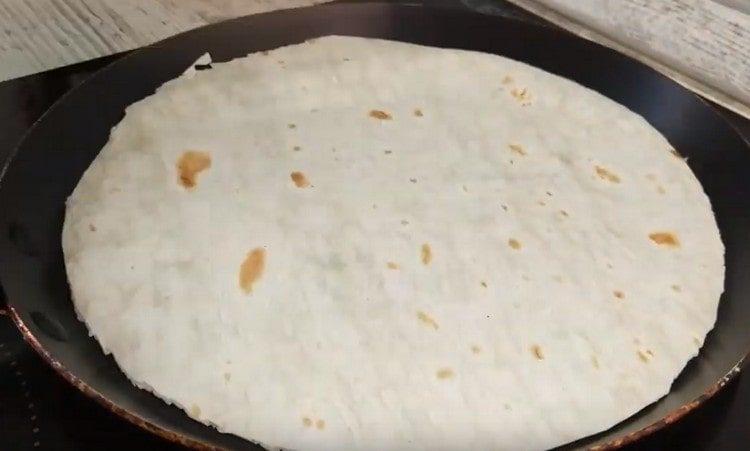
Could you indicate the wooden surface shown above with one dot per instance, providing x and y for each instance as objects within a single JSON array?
[
  {"x": 703, "y": 44},
  {"x": 37, "y": 35}
]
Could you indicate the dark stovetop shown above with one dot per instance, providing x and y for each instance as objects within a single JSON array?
[{"x": 39, "y": 410}]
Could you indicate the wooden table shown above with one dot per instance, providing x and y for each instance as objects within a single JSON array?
[
  {"x": 37, "y": 35},
  {"x": 702, "y": 44}
]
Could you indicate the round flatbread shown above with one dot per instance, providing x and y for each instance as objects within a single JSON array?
[{"x": 362, "y": 244}]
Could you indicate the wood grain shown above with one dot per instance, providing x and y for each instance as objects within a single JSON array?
[
  {"x": 37, "y": 35},
  {"x": 701, "y": 44}
]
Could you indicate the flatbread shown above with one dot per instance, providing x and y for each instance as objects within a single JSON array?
[{"x": 362, "y": 244}]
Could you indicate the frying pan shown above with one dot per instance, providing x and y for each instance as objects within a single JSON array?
[{"x": 52, "y": 157}]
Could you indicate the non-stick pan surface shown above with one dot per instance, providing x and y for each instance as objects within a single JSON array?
[{"x": 63, "y": 143}]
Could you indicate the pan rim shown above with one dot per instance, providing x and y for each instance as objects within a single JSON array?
[
  {"x": 176, "y": 437},
  {"x": 94, "y": 394}
]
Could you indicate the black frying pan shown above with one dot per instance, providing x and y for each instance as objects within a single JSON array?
[{"x": 57, "y": 150}]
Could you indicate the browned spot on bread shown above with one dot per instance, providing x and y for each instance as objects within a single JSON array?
[
  {"x": 619, "y": 294},
  {"x": 320, "y": 424},
  {"x": 564, "y": 213},
  {"x": 667, "y": 239},
  {"x": 595, "y": 362},
  {"x": 645, "y": 356},
  {"x": 92, "y": 227},
  {"x": 542, "y": 203},
  {"x": 379, "y": 114},
  {"x": 195, "y": 411},
  {"x": 514, "y": 243},
  {"x": 517, "y": 148},
  {"x": 444, "y": 373},
  {"x": 676, "y": 288},
  {"x": 307, "y": 422},
  {"x": 475, "y": 349},
  {"x": 299, "y": 179},
  {"x": 392, "y": 265},
  {"x": 190, "y": 164},
  {"x": 427, "y": 319},
  {"x": 291, "y": 125},
  {"x": 607, "y": 175},
  {"x": 227, "y": 376},
  {"x": 522, "y": 95},
  {"x": 418, "y": 112},
  {"x": 537, "y": 351},
  {"x": 660, "y": 189},
  {"x": 483, "y": 283},
  {"x": 296, "y": 148},
  {"x": 252, "y": 268},
  {"x": 426, "y": 254},
  {"x": 507, "y": 80}
]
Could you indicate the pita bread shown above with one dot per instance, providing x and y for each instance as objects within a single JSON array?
[{"x": 361, "y": 244}]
